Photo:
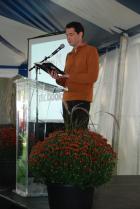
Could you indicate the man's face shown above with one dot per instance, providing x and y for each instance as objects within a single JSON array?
[{"x": 73, "y": 38}]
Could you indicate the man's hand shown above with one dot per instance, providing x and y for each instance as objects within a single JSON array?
[{"x": 61, "y": 80}]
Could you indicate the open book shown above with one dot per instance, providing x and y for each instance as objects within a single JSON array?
[{"x": 48, "y": 67}]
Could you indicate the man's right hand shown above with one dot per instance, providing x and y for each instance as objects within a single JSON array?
[{"x": 61, "y": 80}]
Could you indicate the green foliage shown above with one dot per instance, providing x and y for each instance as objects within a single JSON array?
[{"x": 78, "y": 157}]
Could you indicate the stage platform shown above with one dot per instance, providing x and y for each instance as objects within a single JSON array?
[{"x": 123, "y": 192}]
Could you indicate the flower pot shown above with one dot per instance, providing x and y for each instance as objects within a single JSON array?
[{"x": 69, "y": 197}]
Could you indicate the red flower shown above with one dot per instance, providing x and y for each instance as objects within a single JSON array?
[
  {"x": 73, "y": 157},
  {"x": 7, "y": 142}
]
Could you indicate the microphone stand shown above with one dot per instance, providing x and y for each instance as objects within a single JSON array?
[
  {"x": 45, "y": 59},
  {"x": 37, "y": 112},
  {"x": 37, "y": 124}
]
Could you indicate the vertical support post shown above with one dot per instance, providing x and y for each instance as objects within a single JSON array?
[{"x": 119, "y": 91}]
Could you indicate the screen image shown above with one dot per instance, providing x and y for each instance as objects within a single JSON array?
[{"x": 39, "y": 49}]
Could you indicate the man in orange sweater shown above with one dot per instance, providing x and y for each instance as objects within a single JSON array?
[{"x": 81, "y": 71}]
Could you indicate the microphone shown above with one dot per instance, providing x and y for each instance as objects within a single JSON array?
[{"x": 57, "y": 50}]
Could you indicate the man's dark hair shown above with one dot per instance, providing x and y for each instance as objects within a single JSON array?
[{"x": 77, "y": 26}]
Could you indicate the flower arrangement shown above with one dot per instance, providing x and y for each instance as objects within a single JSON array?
[
  {"x": 74, "y": 157},
  {"x": 7, "y": 143}
]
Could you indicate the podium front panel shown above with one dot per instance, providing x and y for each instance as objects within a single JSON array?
[{"x": 33, "y": 103}]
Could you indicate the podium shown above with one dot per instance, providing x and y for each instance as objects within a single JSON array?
[{"x": 31, "y": 98}]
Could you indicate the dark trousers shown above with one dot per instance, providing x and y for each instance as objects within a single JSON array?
[{"x": 76, "y": 114}]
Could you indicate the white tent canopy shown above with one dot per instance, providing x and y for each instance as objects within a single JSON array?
[
  {"x": 14, "y": 41},
  {"x": 104, "y": 21}
]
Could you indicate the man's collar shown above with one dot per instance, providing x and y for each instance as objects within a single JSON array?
[{"x": 78, "y": 47}]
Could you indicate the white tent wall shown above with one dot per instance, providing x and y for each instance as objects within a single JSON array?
[
  {"x": 104, "y": 94},
  {"x": 8, "y": 73},
  {"x": 107, "y": 89},
  {"x": 7, "y": 101},
  {"x": 129, "y": 137}
]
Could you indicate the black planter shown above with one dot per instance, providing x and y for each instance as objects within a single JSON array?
[{"x": 69, "y": 197}]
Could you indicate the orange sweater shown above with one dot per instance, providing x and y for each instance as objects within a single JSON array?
[{"x": 82, "y": 67}]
